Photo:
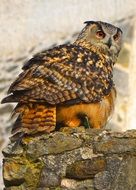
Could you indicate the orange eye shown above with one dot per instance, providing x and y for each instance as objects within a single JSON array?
[
  {"x": 100, "y": 34},
  {"x": 116, "y": 36}
]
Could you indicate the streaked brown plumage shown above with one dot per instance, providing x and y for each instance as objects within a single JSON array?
[{"x": 67, "y": 82}]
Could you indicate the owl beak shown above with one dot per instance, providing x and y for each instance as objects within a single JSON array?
[{"x": 109, "y": 43}]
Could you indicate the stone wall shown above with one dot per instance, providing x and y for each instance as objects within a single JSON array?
[
  {"x": 30, "y": 26},
  {"x": 89, "y": 160}
]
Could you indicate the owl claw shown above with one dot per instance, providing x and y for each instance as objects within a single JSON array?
[{"x": 86, "y": 123}]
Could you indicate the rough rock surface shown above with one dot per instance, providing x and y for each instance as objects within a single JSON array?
[{"x": 91, "y": 160}]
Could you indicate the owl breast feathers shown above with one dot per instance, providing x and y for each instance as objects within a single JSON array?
[{"x": 63, "y": 84}]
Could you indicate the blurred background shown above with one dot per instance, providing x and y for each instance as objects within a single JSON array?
[{"x": 30, "y": 26}]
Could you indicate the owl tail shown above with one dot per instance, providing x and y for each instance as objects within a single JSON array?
[{"x": 34, "y": 118}]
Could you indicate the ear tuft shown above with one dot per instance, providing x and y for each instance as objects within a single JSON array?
[{"x": 89, "y": 22}]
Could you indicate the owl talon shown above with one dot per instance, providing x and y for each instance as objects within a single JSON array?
[{"x": 85, "y": 122}]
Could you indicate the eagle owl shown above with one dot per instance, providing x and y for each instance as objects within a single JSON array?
[{"x": 67, "y": 83}]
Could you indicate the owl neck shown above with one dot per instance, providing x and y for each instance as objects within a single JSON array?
[{"x": 87, "y": 45}]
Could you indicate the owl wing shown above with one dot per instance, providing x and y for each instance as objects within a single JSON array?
[{"x": 59, "y": 75}]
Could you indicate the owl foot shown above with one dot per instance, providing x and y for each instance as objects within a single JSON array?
[{"x": 86, "y": 123}]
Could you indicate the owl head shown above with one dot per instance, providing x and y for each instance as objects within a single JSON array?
[{"x": 106, "y": 37}]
